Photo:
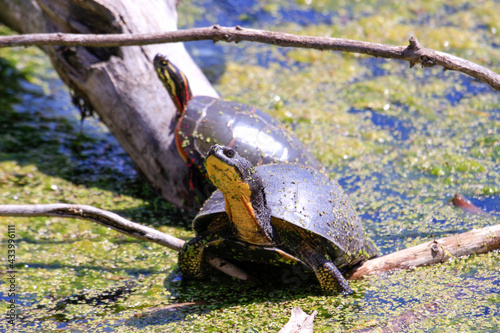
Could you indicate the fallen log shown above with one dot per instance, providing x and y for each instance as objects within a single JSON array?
[
  {"x": 120, "y": 83},
  {"x": 436, "y": 251}
]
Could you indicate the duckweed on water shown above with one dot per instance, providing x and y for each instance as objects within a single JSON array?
[{"x": 401, "y": 142}]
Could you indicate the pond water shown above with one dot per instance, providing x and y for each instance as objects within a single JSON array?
[{"x": 400, "y": 141}]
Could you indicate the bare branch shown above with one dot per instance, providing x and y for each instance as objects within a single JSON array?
[
  {"x": 118, "y": 223},
  {"x": 413, "y": 53},
  {"x": 103, "y": 217},
  {"x": 433, "y": 252},
  {"x": 437, "y": 251}
]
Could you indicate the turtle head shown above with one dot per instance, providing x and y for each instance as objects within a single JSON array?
[
  {"x": 228, "y": 170},
  {"x": 243, "y": 189},
  {"x": 174, "y": 80}
]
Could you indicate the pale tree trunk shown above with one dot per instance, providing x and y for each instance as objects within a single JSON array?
[{"x": 120, "y": 84}]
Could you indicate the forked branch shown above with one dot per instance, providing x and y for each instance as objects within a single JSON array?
[{"x": 414, "y": 53}]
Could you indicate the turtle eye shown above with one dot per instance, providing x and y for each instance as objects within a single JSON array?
[{"x": 229, "y": 153}]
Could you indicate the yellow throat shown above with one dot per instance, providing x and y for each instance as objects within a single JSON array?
[{"x": 237, "y": 195}]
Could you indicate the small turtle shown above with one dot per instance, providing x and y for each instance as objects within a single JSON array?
[
  {"x": 289, "y": 210},
  {"x": 204, "y": 121}
]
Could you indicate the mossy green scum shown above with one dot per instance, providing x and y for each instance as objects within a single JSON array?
[{"x": 400, "y": 141}]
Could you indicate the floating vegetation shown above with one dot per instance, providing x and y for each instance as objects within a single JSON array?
[{"x": 402, "y": 142}]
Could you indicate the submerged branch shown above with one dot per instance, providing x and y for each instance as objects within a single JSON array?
[
  {"x": 466, "y": 205},
  {"x": 437, "y": 251},
  {"x": 403, "y": 321},
  {"x": 414, "y": 53}
]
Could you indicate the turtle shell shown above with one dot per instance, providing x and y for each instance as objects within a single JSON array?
[
  {"x": 310, "y": 200},
  {"x": 255, "y": 135}
]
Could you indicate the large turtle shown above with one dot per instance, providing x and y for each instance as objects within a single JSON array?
[
  {"x": 289, "y": 210},
  {"x": 205, "y": 121}
]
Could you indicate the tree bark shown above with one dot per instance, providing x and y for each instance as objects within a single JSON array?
[{"x": 119, "y": 83}]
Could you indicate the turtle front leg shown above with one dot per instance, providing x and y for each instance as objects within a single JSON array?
[
  {"x": 328, "y": 275},
  {"x": 307, "y": 247},
  {"x": 192, "y": 255}
]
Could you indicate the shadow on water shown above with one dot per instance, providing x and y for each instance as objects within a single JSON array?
[
  {"x": 102, "y": 302},
  {"x": 218, "y": 292}
]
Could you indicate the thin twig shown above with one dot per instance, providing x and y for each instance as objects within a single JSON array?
[
  {"x": 474, "y": 241},
  {"x": 118, "y": 223},
  {"x": 414, "y": 53}
]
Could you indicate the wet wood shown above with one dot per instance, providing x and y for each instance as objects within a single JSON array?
[
  {"x": 437, "y": 251},
  {"x": 466, "y": 205},
  {"x": 119, "y": 84}
]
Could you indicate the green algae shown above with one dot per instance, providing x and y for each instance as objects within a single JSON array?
[{"x": 402, "y": 141}]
